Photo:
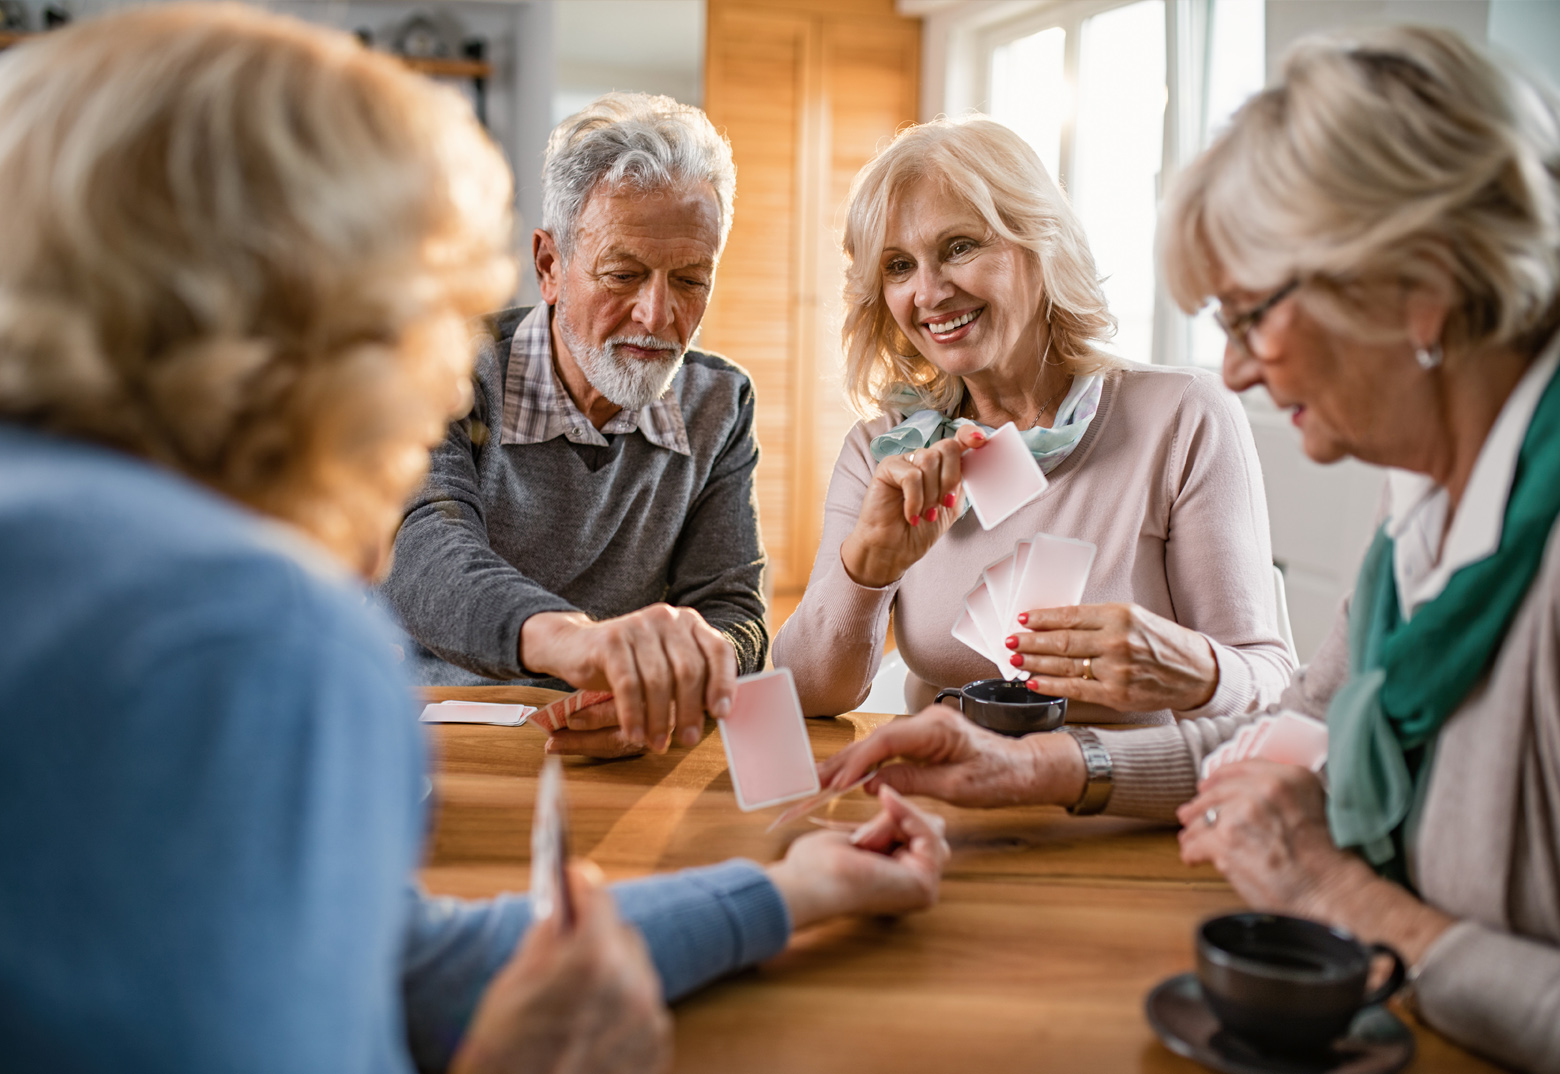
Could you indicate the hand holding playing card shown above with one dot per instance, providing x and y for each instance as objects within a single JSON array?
[
  {"x": 1121, "y": 656},
  {"x": 579, "y": 1001},
  {"x": 910, "y": 503},
  {"x": 891, "y": 865},
  {"x": 664, "y": 666}
]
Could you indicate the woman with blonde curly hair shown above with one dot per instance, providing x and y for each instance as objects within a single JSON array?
[
  {"x": 972, "y": 301},
  {"x": 238, "y": 258}
]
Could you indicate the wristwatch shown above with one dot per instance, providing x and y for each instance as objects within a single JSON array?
[{"x": 1097, "y": 772}]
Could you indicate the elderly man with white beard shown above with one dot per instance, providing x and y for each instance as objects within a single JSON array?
[{"x": 592, "y": 520}]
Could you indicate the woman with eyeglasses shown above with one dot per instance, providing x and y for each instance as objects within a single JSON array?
[
  {"x": 1382, "y": 232},
  {"x": 972, "y": 301}
]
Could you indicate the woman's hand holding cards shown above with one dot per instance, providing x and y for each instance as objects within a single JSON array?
[
  {"x": 908, "y": 506},
  {"x": 1121, "y": 656},
  {"x": 891, "y": 865},
  {"x": 576, "y": 1001}
]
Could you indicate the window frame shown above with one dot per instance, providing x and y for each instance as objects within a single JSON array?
[{"x": 1187, "y": 24}]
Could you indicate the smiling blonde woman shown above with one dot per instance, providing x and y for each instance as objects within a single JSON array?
[{"x": 972, "y": 300}]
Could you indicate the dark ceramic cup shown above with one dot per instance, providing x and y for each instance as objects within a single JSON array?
[
  {"x": 1008, "y": 708},
  {"x": 1286, "y": 985}
]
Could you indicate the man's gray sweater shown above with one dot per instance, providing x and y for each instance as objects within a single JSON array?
[{"x": 501, "y": 532}]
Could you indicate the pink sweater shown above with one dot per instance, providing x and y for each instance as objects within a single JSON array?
[{"x": 1166, "y": 483}]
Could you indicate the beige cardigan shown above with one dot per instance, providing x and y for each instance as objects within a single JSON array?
[
  {"x": 1165, "y": 482},
  {"x": 1488, "y": 846}
]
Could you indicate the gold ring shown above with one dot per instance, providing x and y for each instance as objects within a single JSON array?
[{"x": 1088, "y": 667}]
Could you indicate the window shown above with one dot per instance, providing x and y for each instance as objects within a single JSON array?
[{"x": 1113, "y": 95}]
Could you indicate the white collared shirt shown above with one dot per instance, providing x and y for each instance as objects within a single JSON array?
[{"x": 1422, "y": 562}]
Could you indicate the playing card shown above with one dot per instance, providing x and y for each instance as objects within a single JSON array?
[
  {"x": 1056, "y": 569},
  {"x": 1295, "y": 739},
  {"x": 766, "y": 742},
  {"x": 476, "y": 712},
  {"x": 555, "y": 717},
  {"x": 1001, "y": 477},
  {"x": 816, "y": 802},
  {"x": 1020, "y": 564},
  {"x": 1288, "y": 738},
  {"x": 999, "y": 583},
  {"x": 965, "y": 630},
  {"x": 550, "y": 849},
  {"x": 983, "y": 613}
]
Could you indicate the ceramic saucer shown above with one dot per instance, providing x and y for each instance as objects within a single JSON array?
[{"x": 1377, "y": 1042}]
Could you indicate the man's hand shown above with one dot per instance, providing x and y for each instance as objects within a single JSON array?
[
  {"x": 665, "y": 667},
  {"x": 891, "y": 865},
  {"x": 583, "y": 1002},
  {"x": 949, "y": 758}
]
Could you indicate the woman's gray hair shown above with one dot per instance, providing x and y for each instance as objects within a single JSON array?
[
  {"x": 1405, "y": 156},
  {"x": 646, "y": 142}
]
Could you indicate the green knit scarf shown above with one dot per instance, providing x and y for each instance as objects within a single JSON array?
[{"x": 1406, "y": 679}]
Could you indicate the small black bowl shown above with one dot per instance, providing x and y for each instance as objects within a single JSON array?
[
  {"x": 1286, "y": 985},
  {"x": 1008, "y": 708}
]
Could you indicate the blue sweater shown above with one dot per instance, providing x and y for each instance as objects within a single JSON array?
[{"x": 211, "y": 801}]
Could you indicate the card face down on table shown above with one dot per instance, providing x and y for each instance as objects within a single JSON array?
[
  {"x": 1001, "y": 477},
  {"x": 476, "y": 712},
  {"x": 766, "y": 742},
  {"x": 550, "y": 849}
]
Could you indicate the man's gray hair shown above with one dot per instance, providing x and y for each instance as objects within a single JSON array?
[{"x": 646, "y": 142}]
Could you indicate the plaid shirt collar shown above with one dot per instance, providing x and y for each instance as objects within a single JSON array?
[{"x": 538, "y": 408}]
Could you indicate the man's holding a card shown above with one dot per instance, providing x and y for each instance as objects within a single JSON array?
[
  {"x": 591, "y": 520},
  {"x": 974, "y": 334}
]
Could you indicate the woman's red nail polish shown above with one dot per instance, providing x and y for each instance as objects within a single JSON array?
[
  {"x": 948, "y": 500},
  {"x": 1033, "y": 686},
  {"x": 916, "y": 520},
  {"x": 1012, "y": 641},
  {"x": 1016, "y": 660},
  {"x": 1023, "y": 618},
  {"x": 931, "y": 513}
]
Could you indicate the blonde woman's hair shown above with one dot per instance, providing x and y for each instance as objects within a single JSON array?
[
  {"x": 1406, "y": 157},
  {"x": 1000, "y": 177},
  {"x": 246, "y": 249}
]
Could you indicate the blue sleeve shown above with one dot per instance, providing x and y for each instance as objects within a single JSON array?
[
  {"x": 700, "y": 924},
  {"x": 208, "y": 838}
]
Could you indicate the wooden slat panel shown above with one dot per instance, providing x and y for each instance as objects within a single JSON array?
[{"x": 754, "y": 67}]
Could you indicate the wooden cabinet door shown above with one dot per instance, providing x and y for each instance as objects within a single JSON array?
[{"x": 807, "y": 92}]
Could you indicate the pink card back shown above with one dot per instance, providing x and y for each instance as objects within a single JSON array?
[
  {"x": 766, "y": 742},
  {"x": 1294, "y": 739},
  {"x": 1001, "y": 477},
  {"x": 1055, "y": 573}
]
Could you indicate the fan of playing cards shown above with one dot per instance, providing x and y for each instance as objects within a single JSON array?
[
  {"x": 1042, "y": 572},
  {"x": 1287, "y": 738}
]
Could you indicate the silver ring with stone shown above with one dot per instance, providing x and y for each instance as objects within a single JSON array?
[{"x": 1211, "y": 816}]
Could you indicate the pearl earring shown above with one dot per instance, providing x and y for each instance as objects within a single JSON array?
[{"x": 1429, "y": 357}]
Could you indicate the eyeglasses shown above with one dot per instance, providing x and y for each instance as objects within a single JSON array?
[{"x": 1240, "y": 327}]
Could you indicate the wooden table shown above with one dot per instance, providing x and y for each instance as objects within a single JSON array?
[{"x": 1050, "y": 930}]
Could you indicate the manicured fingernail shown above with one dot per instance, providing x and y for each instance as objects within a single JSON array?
[
  {"x": 931, "y": 514},
  {"x": 949, "y": 500},
  {"x": 916, "y": 521},
  {"x": 1033, "y": 686},
  {"x": 690, "y": 735},
  {"x": 1016, "y": 660},
  {"x": 1023, "y": 618},
  {"x": 979, "y": 437},
  {"x": 1012, "y": 642}
]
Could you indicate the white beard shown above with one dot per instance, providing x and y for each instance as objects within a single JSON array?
[{"x": 631, "y": 383}]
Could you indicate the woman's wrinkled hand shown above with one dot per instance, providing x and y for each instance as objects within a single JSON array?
[
  {"x": 910, "y": 503},
  {"x": 586, "y": 1001},
  {"x": 891, "y": 865},
  {"x": 1268, "y": 835},
  {"x": 1136, "y": 661},
  {"x": 943, "y": 755}
]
